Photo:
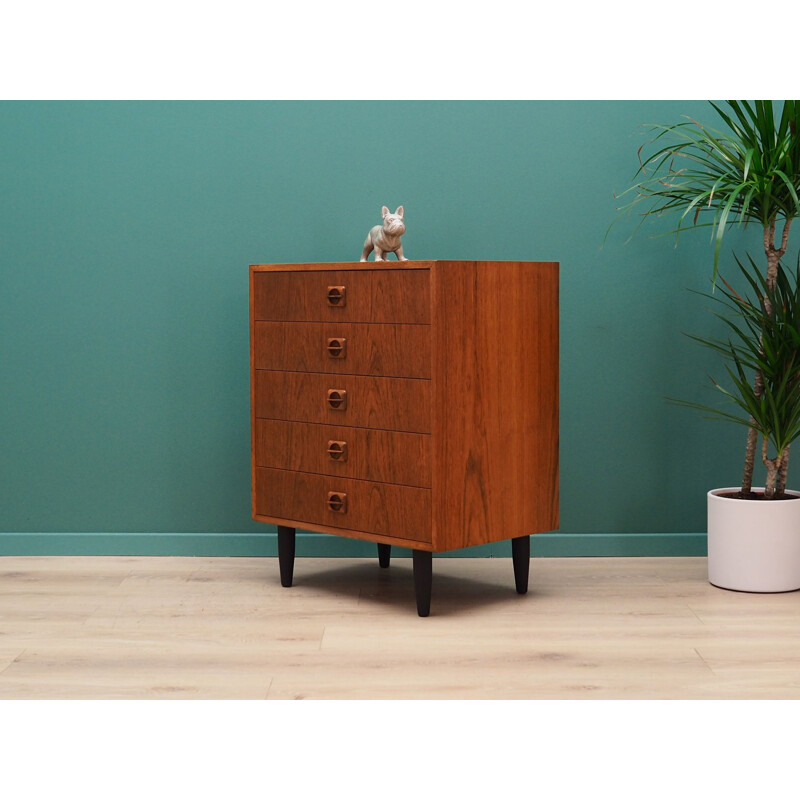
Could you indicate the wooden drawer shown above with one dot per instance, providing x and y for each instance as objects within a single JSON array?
[
  {"x": 344, "y": 347},
  {"x": 381, "y": 508},
  {"x": 373, "y": 455},
  {"x": 399, "y": 404},
  {"x": 365, "y": 296}
]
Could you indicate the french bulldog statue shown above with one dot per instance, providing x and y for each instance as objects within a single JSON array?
[{"x": 385, "y": 238}]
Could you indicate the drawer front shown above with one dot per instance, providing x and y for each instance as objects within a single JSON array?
[
  {"x": 343, "y": 296},
  {"x": 373, "y": 455},
  {"x": 344, "y": 348},
  {"x": 398, "y": 404},
  {"x": 382, "y": 508}
]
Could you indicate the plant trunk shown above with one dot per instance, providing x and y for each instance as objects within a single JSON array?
[
  {"x": 774, "y": 255},
  {"x": 782, "y": 472},
  {"x": 772, "y": 476},
  {"x": 750, "y": 452},
  {"x": 773, "y": 466}
]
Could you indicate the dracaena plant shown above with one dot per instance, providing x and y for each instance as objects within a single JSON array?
[
  {"x": 745, "y": 172},
  {"x": 763, "y": 338}
]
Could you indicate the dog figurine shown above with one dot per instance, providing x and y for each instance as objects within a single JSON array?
[{"x": 385, "y": 238}]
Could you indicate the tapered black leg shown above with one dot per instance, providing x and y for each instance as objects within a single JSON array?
[
  {"x": 521, "y": 555},
  {"x": 286, "y": 554},
  {"x": 384, "y": 554},
  {"x": 423, "y": 579}
]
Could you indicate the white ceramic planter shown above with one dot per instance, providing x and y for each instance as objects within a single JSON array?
[{"x": 753, "y": 545}]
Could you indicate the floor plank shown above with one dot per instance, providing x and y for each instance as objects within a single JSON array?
[{"x": 605, "y": 628}]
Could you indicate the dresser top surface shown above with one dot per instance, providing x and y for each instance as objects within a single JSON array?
[{"x": 376, "y": 265}]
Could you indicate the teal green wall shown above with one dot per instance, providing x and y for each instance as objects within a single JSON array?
[{"x": 126, "y": 231}]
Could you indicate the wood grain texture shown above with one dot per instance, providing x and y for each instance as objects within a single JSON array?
[
  {"x": 376, "y": 295},
  {"x": 223, "y": 628},
  {"x": 384, "y": 508},
  {"x": 491, "y": 404},
  {"x": 252, "y": 336},
  {"x": 350, "y": 533},
  {"x": 495, "y": 401},
  {"x": 401, "y": 404},
  {"x": 350, "y": 266},
  {"x": 386, "y": 350},
  {"x": 373, "y": 455}
]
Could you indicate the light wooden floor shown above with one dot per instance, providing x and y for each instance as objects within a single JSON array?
[{"x": 635, "y": 628}]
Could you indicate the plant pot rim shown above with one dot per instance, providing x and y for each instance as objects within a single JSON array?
[{"x": 715, "y": 493}]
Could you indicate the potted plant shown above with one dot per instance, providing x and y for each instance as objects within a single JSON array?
[{"x": 746, "y": 172}]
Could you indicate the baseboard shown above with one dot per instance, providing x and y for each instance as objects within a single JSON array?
[{"x": 543, "y": 545}]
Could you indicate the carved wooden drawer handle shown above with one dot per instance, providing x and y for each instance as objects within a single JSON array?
[
  {"x": 337, "y": 451},
  {"x": 337, "y": 296},
  {"x": 337, "y": 348},
  {"x": 337, "y": 398},
  {"x": 337, "y": 501}
]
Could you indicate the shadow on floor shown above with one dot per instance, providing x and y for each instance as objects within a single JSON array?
[{"x": 393, "y": 587}]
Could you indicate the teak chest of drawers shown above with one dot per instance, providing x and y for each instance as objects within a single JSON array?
[{"x": 411, "y": 403}]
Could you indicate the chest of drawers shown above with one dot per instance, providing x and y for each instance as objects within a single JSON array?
[{"x": 407, "y": 403}]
